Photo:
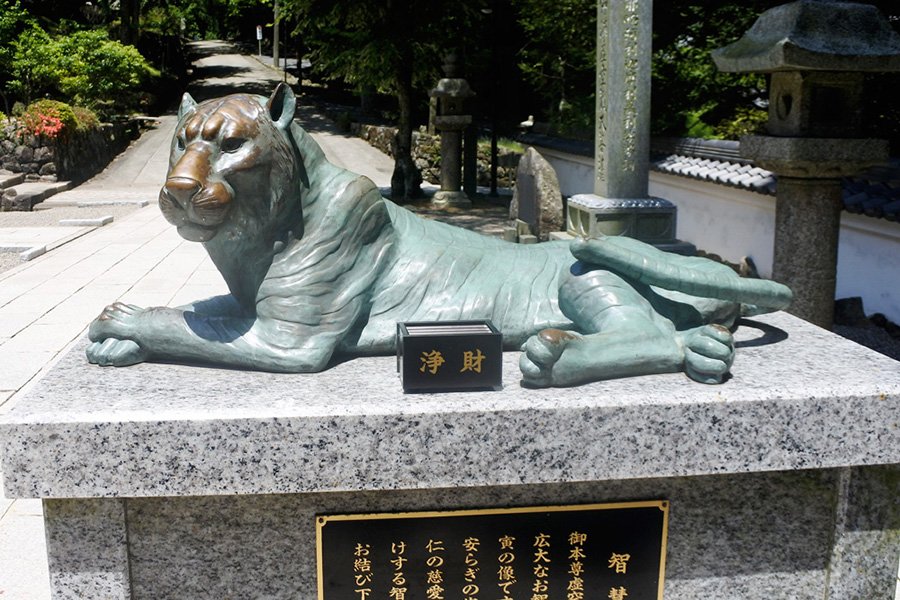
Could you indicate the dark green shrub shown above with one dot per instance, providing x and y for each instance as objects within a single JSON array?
[
  {"x": 746, "y": 121},
  {"x": 86, "y": 118}
]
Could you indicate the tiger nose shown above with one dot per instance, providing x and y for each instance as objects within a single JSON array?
[{"x": 182, "y": 189}]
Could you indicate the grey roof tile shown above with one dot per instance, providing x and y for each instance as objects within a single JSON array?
[
  {"x": 854, "y": 203},
  {"x": 739, "y": 178},
  {"x": 762, "y": 185},
  {"x": 892, "y": 210},
  {"x": 875, "y": 193},
  {"x": 872, "y": 207}
]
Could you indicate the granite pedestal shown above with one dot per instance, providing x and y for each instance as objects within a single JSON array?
[{"x": 168, "y": 481}]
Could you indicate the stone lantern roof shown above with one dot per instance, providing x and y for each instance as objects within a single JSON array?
[
  {"x": 452, "y": 88},
  {"x": 814, "y": 35}
]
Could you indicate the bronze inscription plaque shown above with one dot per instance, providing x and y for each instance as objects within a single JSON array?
[{"x": 597, "y": 551}]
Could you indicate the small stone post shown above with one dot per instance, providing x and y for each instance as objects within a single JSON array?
[
  {"x": 816, "y": 52},
  {"x": 451, "y": 93}
]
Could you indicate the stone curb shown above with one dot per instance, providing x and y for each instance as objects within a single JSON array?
[{"x": 98, "y": 222}]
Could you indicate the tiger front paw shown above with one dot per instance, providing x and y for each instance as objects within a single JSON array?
[
  {"x": 116, "y": 353},
  {"x": 541, "y": 353},
  {"x": 708, "y": 353}
]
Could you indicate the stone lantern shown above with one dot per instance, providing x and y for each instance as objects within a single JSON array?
[
  {"x": 816, "y": 52},
  {"x": 451, "y": 93}
]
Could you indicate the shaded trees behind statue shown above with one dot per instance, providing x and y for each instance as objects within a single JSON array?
[
  {"x": 394, "y": 46},
  {"x": 690, "y": 97}
]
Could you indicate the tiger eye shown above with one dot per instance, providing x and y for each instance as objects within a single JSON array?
[{"x": 232, "y": 144}]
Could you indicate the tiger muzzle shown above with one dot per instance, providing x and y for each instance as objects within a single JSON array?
[{"x": 182, "y": 189}]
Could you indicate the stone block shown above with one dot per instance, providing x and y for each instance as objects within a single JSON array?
[
  {"x": 813, "y": 36},
  {"x": 21, "y": 202},
  {"x": 98, "y": 222},
  {"x": 9, "y": 179},
  {"x": 24, "y": 154},
  {"x": 43, "y": 154},
  {"x": 782, "y": 482},
  {"x": 651, "y": 220},
  {"x": 537, "y": 200},
  {"x": 814, "y": 157},
  {"x": 561, "y": 235}
]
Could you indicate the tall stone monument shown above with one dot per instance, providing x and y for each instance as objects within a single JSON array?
[
  {"x": 620, "y": 204},
  {"x": 816, "y": 53}
]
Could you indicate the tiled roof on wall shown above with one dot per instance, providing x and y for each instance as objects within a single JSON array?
[
  {"x": 733, "y": 174},
  {"x": 875, "y": 193}
]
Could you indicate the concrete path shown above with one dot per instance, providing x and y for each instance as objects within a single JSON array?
[{"x": 46, "y": 303}]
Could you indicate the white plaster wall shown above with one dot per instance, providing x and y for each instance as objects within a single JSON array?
[
  {"x": 727, "y": 221},
  {"x": 734, "y": 223},
  {"x": 869, "y": 264},
  {"x": 575, "y": 173}
]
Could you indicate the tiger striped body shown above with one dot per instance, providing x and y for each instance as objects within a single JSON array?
[{"x": 318, "y": 264}]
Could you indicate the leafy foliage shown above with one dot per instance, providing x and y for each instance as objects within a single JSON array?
[
  {"x": 83, "y": 67},
  {"x": 558, "y": 57},
  {"x": 745, "y": 121},
  {"x": 691, "y": 97},
  {"x": 32, "y": 64},
  {"x": 201, "y": 19},
  {"x": 12, "y": 20},
  {"x": 85, "y": 118},
  {"x": 367, "y": 42},
  {"x": 394, "y": 46}
]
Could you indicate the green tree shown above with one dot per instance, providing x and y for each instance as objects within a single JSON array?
[
  {"x": 558, "y": 57},
  {"x": 394, "y": 46},
  {"x": 32, "y": 64},
  {"x": 13, "y": 20},
  {"x": 690, "y": 96},
  {"x": 85, "y": 67},
  {"x": 204, "y": 19}
]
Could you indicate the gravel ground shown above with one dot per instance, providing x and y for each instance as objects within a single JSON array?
[
  {"x": 50, "y": 217},
  {"x": 8, "y": 260},
  {"x": 873, "y": 337}
]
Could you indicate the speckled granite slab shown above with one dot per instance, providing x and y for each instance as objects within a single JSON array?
[
  {"x": 168, "y": 482},
  {"x": 800, "y": 397}
]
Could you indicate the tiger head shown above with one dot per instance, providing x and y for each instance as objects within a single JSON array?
[{"x": 232, "y": 168}]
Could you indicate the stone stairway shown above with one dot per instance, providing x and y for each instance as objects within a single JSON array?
[{"x": 21, "y": 195}]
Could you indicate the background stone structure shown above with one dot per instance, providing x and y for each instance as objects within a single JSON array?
[
  {"x": 426, "y": 153},
  {"x": 78, "y": 156}
]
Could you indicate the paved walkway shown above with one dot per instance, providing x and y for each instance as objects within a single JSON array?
[{"x": 47, "y": 303}]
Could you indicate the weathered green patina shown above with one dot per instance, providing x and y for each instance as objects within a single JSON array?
[{"x": 319, "y": 264}]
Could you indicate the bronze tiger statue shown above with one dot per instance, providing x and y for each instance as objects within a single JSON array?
[{"x": 319, "y": 264}]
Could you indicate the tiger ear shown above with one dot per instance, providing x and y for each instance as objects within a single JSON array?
[
  {"x": 188, "y": 104},
  {"x": 282, "y": 105}
]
